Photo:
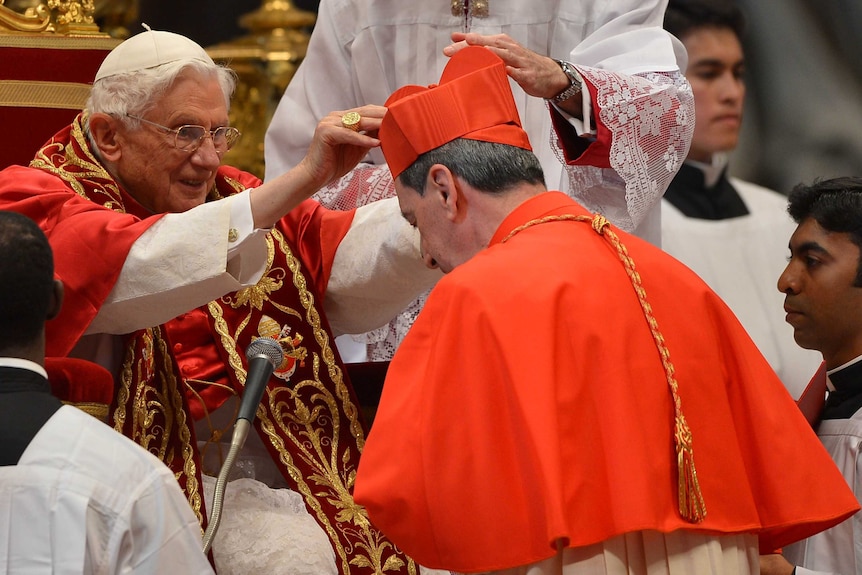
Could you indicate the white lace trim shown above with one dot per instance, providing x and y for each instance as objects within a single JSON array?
[
  {"x": 651, "y": 119},
  {"x": 366, "y": 183}
]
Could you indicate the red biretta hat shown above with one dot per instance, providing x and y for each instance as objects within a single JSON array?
[{"x": 473, "y": 100}]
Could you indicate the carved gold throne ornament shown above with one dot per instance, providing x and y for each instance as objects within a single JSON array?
[{"x": 70, "y": 17}]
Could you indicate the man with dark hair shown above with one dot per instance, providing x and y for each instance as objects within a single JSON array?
[
  {"x": 75, "y": 496},
  {"x": 571, "y": 399},
  {"x": 685, "y": 16},
  {"x": 24, "y": 299},
  {"x": 730, "y": 232},
  {"x": 822, "y": 287}
]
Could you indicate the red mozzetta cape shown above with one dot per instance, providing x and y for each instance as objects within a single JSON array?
[
  {"x": 172, "y": 374},
  {"x": 529, "y": 404}
]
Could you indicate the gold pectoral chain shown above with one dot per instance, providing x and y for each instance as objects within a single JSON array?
[
  {"x": 476, "y": 8},
  {"x": 691, "y": 504}
]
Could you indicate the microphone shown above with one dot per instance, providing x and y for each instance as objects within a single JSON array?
[{"x": 264, "y": 355}]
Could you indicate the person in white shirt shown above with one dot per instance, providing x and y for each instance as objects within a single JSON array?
[
  {"x": 75, "y": 496},
  {"x": 732, "y": 233},
  {"x": 822, "y": 288}
]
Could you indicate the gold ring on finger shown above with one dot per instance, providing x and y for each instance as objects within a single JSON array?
[{"x": 350, "y": 120}]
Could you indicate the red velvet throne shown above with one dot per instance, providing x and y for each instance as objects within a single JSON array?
[{"x": 45, "y": 79}]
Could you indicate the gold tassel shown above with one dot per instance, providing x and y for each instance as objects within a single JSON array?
[{"x": 691, "y": 504}]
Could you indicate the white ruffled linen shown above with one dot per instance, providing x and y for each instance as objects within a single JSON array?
[{"x": 266, "y": 530}]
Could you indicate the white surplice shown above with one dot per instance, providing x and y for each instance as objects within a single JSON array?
[{"x": 85, "y": 499}]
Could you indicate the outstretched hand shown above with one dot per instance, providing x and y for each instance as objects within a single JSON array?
[
  {"x": 336, "y": 149},
  {"x": 538, "y": 75}
]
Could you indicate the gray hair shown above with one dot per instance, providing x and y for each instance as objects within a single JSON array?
[
  {"x": 486, "y": 166},
  {"x": 135, "y": 93}
]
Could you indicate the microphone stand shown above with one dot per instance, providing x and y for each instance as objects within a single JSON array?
[
  {"x": 264, "y": 355},
  {"x": 240, "y": 432}
]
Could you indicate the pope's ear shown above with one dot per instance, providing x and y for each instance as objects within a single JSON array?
[{"x": 103, "y": 130}]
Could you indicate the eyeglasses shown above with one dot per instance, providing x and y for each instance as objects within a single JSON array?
[{"x": 189, "y": 138}]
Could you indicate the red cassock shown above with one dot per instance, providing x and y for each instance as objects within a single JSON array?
[{"x": 529, "y": 404}]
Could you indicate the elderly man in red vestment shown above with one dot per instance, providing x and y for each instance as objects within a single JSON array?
[
  {"x": 173, "y": 263},
  {"x": 571, "y": 399}
]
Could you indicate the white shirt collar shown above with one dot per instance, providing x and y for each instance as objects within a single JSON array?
[
  {"x": 713, "y": 170},
  {"x": 23, "y": 364}
]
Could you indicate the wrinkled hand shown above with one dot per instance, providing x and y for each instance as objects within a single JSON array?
[
  {"x": 538, "y": 75},
  {"x": 775, "y": 564},
  {"x": 335, "y": 150}
]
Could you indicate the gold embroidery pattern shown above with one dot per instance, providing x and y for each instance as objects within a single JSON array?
[
  {"x": 691, "y": 504},
  {"x": 302, "y": 412},
  {"x": 174, "y": 405},
  {"x": 158, "y": 420},
  {"x": 75, "y": 164},
  {"x": 258, "y": 294},
  {"x": 124, "y": 390},
  {"x": 322, "y": 338}
]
